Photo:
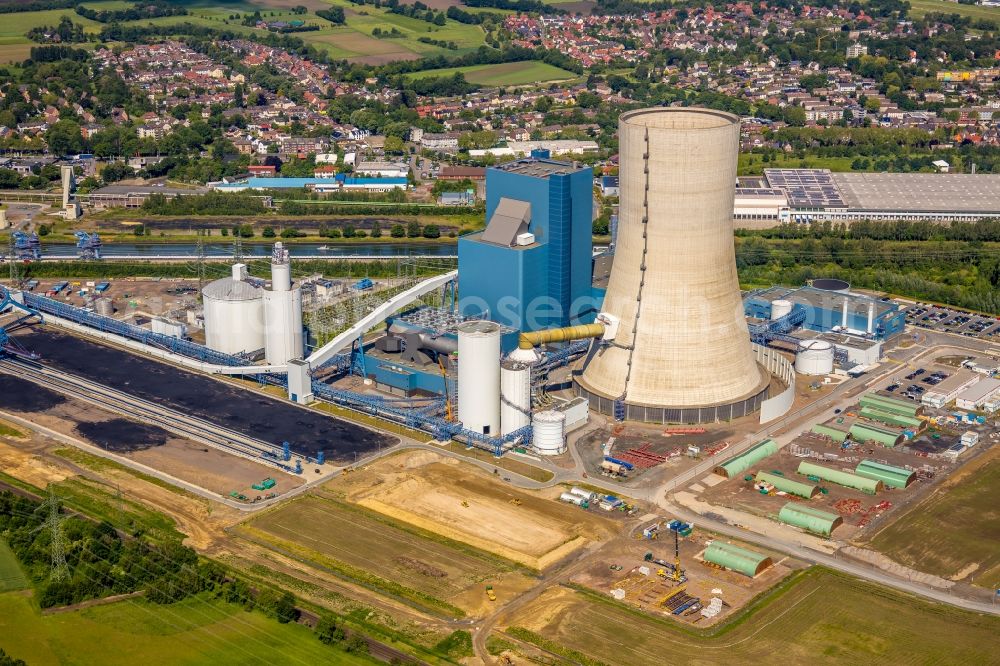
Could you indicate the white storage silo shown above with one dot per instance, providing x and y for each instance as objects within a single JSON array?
[
  {"x": 780, "y": 308},
  {"x": 814, "y": 357},
  {"x": 515, "y": 389},
  {"x": 234, "y": 314},
  {"x": 282, "y": 311},
  {"x": 549, "y": 432},
  {"x": 479, "y": 376}
]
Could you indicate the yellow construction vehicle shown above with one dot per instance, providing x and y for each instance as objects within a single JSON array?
[
  {"x": 515, "y": 501},
  {"x": 465, "y": 504},
  {"x": 490, "y": 593},
  {"x": 662, "y": 573}
]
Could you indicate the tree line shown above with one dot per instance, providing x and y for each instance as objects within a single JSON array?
[
  {"x": 102, "y": 562},
  {"x": 957, "y": 273}
]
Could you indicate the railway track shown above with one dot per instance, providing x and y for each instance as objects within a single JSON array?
[{"x": 133, "y": 407}]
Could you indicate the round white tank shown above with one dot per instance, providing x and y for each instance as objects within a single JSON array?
[
  {"x": 549, "y": 432},
  {"x": 479, "y": 376},
  {"x": 283, "y": 323},
  {"x": 780, "y": 308},
  {"x": 515, "y": 389},
  {"x": 234, "y": 316},
  {"x": 814, "y": 357},
  {"x": 104, "y": 307}
]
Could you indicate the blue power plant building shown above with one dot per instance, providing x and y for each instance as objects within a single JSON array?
[
  {"x": 832, "y": 309},
  {"x": 530, "y": 268}
]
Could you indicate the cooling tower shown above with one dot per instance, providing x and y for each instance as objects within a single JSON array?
[{"x": 682, "y": 352}]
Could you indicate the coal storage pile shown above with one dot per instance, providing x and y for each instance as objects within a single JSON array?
[
  {"x": 20, "y": 395},
  {"x": 122, "y": 435},
  {"x": 264, "y": 418}
]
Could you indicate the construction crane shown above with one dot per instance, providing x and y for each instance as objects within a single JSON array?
[
  {"x": 88, "y": 246},
  {"x": 9, "y": 346},
  {"x": 27, "y": 247},
  {"x": 449, "y": 415},
  {"x": 677, "y": 557}
]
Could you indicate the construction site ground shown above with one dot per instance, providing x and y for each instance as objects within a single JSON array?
[
  {"x": 648, "y": 591},
  {"x": 393, "y": 557},
  {"x": 178, "y": 457},
  {"x": 854, "y": 506},
  {"x": 659, "y": 441},
  {"x": 135, "y": 296},
  {"x": 814, "y": 615},
  {"x": 461, "y": 502},
  {"x": 251, "y": 414}
]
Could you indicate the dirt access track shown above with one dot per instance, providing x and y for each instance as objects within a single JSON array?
[{"x": 461, "y": 502}]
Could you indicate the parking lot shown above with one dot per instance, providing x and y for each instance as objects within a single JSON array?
[
  {"x": 916, "y": 383},
  {"x": 947, "y": 320}
]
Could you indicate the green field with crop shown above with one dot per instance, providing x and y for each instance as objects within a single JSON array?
[
  {"x": 15, "y": 46},
  {"x": 920, "y": 7},
  {"x": 11, "y": 575},
  {"x": 195, "y": 631},
  {"x": 504, "y": 74},
  {"x": 351, "y": 41},
  {"x": 816, "y": 616},
  {"x": 955, "y": 531},
  {"x": 355, "y": 40}
]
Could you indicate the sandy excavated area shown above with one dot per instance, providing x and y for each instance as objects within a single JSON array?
[
  {"x": 213, "y": 469},
  {"x": 445, "y": 496}
]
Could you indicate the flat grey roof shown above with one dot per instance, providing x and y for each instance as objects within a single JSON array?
[
  {"x": 920, "y": 192},
  {"x": 539, "y": 168}
]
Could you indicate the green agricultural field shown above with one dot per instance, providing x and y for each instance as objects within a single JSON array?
[
  {"x": 15, "y": 47},
  {"x": 194, "y": 631},
  {"x": 955, "y": 531},
  {"x": 505, "y": 74},
  {"x": 11, "y": 576},
  {"x": 817, "y": 616},
  {"x": 920, "y": 7},
  {"x": 377, "y": 552}
]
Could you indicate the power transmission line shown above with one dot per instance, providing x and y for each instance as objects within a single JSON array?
[{"x": 57, "y": 546}]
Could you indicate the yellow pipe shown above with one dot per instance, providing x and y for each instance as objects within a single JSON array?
[{"x": 536, "y": 338}]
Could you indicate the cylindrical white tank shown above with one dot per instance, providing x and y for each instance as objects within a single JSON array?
[
  {"x": 104, "y": 307},
  {"x": 780, "y": 308},
  {"x": 814, "y": 357},
  {"x": 479, "y": 376},
  {"x": 549, "y": 432},
  {"x": 234, "y": 316},
  {"x": 515, "y": 389},
  {"x": 283, "y": 322}
]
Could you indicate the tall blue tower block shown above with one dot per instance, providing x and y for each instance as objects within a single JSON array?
[{"x": 530, "y": 268}]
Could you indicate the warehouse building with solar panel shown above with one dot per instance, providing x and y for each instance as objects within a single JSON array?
[{"x": 818, "y": 195}]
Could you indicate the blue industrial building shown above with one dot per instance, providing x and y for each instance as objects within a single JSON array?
[
  {"x": 531, "y": 267},
  {"x": 826, "y": 311}
]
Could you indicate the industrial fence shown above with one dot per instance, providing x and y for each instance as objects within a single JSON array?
[{"x": 776, "y": 364}]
